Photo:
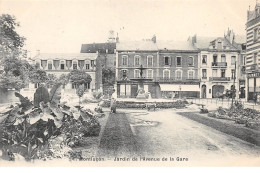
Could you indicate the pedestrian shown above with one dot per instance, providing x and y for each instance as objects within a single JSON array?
[{"x": 113, "y": 101}]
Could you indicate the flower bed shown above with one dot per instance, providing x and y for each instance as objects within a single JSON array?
[
  {"x": 142, "y": 105},
  {"x": 237, "y": 113}
]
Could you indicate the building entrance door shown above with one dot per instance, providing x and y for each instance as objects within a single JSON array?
[
  {"x": 134, "y": 88},
  {"x": 203, "y": 91}
]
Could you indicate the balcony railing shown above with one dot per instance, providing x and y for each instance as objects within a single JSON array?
[
  {"x": 219, "y": 64},
  {"x": 219, "y": 78}
]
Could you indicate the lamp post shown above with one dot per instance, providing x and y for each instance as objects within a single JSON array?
[
  {"x": 180, "y": 92},
  {"x": 125, "y": 79},
  {"x": 233, "y": 89}
]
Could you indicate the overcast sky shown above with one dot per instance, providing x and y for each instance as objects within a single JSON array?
[{"x": 62, "y": 26}]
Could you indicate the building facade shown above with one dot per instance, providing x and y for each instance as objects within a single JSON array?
[
  {"x": 58, "y": 64},
  {"x": 253, "y": 53},
  {"x": 105, "y": 60},
  {"x": 170, "y": 69},
  {"x": 219, "y": 64}
]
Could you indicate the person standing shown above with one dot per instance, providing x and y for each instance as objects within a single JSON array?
[{"x": 113, "y": 101}]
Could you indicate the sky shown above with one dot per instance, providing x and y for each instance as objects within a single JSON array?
[{"x": 61, "y": 26}]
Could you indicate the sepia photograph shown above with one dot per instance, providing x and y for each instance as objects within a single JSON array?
[{"x": 130, "y": 83}]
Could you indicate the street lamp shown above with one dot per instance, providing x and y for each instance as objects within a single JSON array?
[
  {"x": 180, "y": 92},
  {"x": 233, "y": 89},
  {"x": 125, "y": 79}
]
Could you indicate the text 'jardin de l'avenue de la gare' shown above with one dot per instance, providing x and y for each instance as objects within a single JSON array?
[{"x": 142, "y": 159}]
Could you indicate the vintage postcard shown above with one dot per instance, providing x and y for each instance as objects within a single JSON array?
[{"x": 129, "y": 83}]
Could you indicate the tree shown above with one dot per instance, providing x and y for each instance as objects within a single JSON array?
[
  {"x": 38, "y": 76},
  {"x": 63, "y": 79},
  {"x": 51, "y": 80},
  {"x": 10, "y": 41},
  {"x": 14, "y": 73},
  {"x": 78, "y": 78},
  {"x": 108, "y": 76}
]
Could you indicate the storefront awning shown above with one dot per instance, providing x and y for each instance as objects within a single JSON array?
[{"x": 173, "y": 87}]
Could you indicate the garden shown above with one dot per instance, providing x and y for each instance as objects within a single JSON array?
[
  {"x": 240, "y": 115},
  {"x": 45, "y": 128}
]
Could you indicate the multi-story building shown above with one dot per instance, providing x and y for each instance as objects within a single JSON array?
[
  {"x": 252, "y": 53},
  {"x": 218, "y": 63},
  {"x": 105, "y": 60},
  {"x": 60, "y": 63},
  {"x": 171, "y": 68},
  {"x": 129, "y": 57}
]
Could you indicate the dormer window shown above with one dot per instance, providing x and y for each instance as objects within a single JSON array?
[{"x": 219, "y": 44}]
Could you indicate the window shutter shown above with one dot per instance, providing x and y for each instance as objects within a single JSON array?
[{"x": 170, "y": 60}]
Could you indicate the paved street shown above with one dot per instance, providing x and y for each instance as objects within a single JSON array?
[{"x": 178, "y": 136}]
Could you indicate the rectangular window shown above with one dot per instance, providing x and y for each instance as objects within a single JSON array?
[
  {"x": 215, "y": 73},
  {"x": 166, "y": 60},
  {"x": 223, "y": 58},
  {"x": 204, "y": 73},
  {"x": 190, "y": 74},
  {"x": 137, "y": 73},
  {"x": 190, "y": 61},
  {"x": 223, "y": 73},
  {"x": 124, "y": 60},
  {"x": 150, "y": 61},
  {"x": 87, "y": 66},
  {"x": 62, "y": 66},
  {"x": 232, "y": 73},
  {"x": 178, "y": 61},
  {"x": 204, "y": 59},
  {"x": 137, "y": 61},
  {"x": 233, "y": 60},
  {"x": 92, "y": 62},
  {"x": 166, "y": 74},
  {"x": 149, "y": 73},
  {"x": 178, "y": 75},
  {"x": 215, "y": 58}
]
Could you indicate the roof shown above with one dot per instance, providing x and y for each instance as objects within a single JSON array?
[
  {"x": 145, "y": 45},
  {"x": 66, "y": 56},
  {"x": 174, "y": 45},
  {"x": 203, "y": 42},
  {"x": 98, "y": 47}
]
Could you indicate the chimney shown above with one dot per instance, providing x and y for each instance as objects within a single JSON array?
[
  {"x": 117, "y": 38},
  {"x": 194, "y": 39},
  {"x": 154, "y": 39}
]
